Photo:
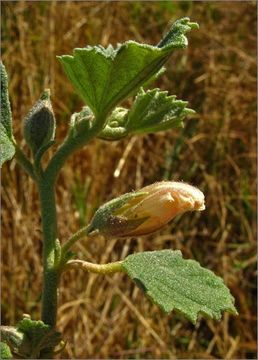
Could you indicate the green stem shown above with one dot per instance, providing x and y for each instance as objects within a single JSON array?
[
  {"x": 51, "y": 246},
  {"x": 109, "y": 268},
  {"x": 50, "y": 251},
  {"x": 24, "y": 162},
  {"x": 78, "y": 235},
  {"x": 70, "y": 145}
]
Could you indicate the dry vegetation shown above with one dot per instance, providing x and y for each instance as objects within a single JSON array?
[{"x": 107, "y": 317}]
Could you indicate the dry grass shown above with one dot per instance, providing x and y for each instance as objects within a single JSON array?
[{"x": 107, "y": 317}]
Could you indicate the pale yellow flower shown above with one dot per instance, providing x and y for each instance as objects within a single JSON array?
[
  {"x": 164, "y": 201},
  {"x": 148, "y": 209}
]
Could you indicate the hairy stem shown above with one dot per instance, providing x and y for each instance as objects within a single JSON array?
[
  {"x": 24, "y": 162},
  {"x": 109, "y": 268},
  {"x": 70, "y": 145},
  {"x": 50, "y": 251},
  {"x": 51, "y": 246},
  {"x": 78, "y": 235}
]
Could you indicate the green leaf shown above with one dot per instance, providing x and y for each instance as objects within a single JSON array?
[
  {"x": 105, "y": 76},
  {"x": 31, "y": 339},
  {"x": 174, "y": 283},
  {"x": 7, "y": 143},
  {"x": 40, "y": 337},
  {"x": 16, "y": 340},
  {"x": 5, "y": 351},
  {"x": 154, "y": 111},
  {"x": 154, "y": 77}
]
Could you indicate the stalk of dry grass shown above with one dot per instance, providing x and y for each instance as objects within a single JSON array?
[{"x": 107, "y": 317}]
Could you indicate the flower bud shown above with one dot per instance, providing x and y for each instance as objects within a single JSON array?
[
  {"x": 81, "y": 122},
  {"x": 147, "y": 210},
  {"x": 39, "y": 125},
  {"x": 115, "y": 126}
]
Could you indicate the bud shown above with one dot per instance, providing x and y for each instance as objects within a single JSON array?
[
  {"x": 118, "y": 117},
  {"x": 115, "y": 126},
  {"x": 147, "y": 210},
  {"x": 39, "y": 125},
  {"x": 81, "y": 122}
]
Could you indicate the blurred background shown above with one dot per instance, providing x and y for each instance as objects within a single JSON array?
[{"x": 108, "y": 317}]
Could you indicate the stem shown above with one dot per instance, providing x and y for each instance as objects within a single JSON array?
[
  {"x": 24, "y": 162},
  {"x": 78, "y": 235},
  {"x": 50, "y": 250},
  {"x": 70, "y": 145},
  {"x": 109, "y": 268},
  {"x": 51, "y": 247}
]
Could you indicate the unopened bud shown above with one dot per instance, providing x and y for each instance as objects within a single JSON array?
[
  {"x": 147, "y": 210},
  {"x": 39, "y": 125},
  {"x": 81, "y": 122}
]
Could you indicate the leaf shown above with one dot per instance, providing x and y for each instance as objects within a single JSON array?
[
  {"x": 16, "y": 340},
  {"x": 154, "y": 111},
  {"x": 5, "y": 351},
  {"x": 40, "y": 336},
  {"x": 103, "y": 77},
  {"x": 7, "y": 143},
  {"x": 174, "y": 283},
  {"x": 31, "y": 339}
]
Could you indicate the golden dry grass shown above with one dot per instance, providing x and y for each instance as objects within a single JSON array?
[{"x": 107, "y": 317}]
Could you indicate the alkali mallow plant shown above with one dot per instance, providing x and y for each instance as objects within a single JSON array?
[{"x": 104, "y": 77}]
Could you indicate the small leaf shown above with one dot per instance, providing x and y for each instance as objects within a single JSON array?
[
  {"x": 7, "y": 143},
  {"x": 174, "y": 283},
  {"x": 5, "y": 351},
  {"x": 154, "y": 111},
  {"x": 40, "y": 337},
  {"x": 16, "y": 340},
  {"x": 105, "y": 76}
]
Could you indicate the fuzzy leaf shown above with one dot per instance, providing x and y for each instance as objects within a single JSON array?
[
  {"x": 40, "y": 336},
  {"x": 105, "y": 76},
  {"x": 5, "y": 352},
  {"x": 16, "y": 340},
  {"x": 174, "y": 283},
  {"x": 7, "y": 146},
  {"x": 154, "y": 111}
]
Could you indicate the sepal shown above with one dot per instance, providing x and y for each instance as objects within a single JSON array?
[{"x": 109, "y": 220}]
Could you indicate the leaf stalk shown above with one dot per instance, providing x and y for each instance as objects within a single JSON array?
[{"x": 109, "y": 268}]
